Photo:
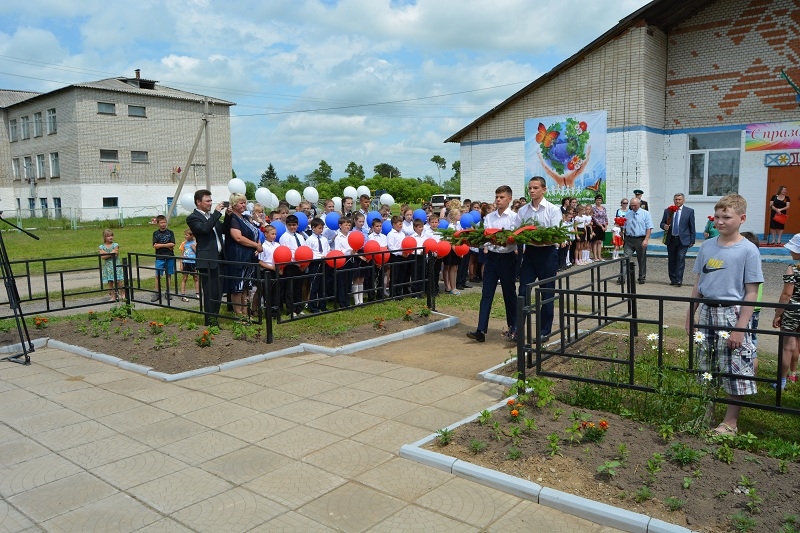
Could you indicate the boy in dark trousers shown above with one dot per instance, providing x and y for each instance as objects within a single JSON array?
[{"x": 163, "y": 244}]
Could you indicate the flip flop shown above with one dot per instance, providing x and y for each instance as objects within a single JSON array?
[{"x": 724, "y": 429}]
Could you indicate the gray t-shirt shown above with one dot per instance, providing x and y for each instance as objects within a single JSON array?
[{"x": 724, "y": 270}]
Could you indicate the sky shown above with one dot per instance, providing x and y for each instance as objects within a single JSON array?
[{"x": 368, "y": 81}]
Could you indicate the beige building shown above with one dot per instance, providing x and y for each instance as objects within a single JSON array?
[
  {"x": 100, "y": 149},
  {"x": 686, "y": 86}
]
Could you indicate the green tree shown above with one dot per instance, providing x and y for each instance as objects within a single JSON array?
[
  {"x": 457, "y": 170},
  {"x": 269, "y": 178},
  {"x": 386, "y": 170},
  {"x": 354, "y": 171},
  {"x": 250, "y": 190},
  {"x": 320, "y": 175},
  {"x": 233, "y": 174},
  {"x": 292, "y": 181},
  {"x": 440, "y": 163}
]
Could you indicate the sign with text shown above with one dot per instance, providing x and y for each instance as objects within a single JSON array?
[{"x": 773, "y": 136}]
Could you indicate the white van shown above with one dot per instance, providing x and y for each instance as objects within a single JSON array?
[{"x": 438, "y": 201}]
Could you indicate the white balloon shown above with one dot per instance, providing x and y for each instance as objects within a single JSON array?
[
  {"x": 387, "y": 199},
  {"x": 187, "y": 201},
  {"x": 337, "y": 203},
  {"x": 273, "y": 202},
  {"x": 237, "y": 186},
  {"x": 250, "y": 206},
  {"x": 351, "y": 192},
  {"x": 293, "y": 197},
  {"x": 311, "y": 194},
  {"x": 263, "y": 196},
  {"x": 363, "y": 190}
]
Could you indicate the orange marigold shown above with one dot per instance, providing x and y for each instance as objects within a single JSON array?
[
  {"x": 510, "y": 402},
  {"x": 603, "y": 424},
  {"x": 514, "y": 412}
]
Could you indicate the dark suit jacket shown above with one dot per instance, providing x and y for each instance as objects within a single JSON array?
[
  {"x": 686, "y": 231},
  {"x": 203, "y": 230}
]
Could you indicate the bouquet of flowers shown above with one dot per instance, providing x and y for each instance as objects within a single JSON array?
[
  {"x": 527, "y": 233},
  {"x": 672, "y": 210},
  {"x": 620, "y": 221}
]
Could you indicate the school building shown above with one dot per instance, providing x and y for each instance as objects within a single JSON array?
[
  {"x": 692, "y": 96},
  {"x": 97, "y": 149}
]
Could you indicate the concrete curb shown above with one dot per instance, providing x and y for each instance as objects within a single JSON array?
[
  {"x": 526, "y": 490},
  {"x": 449, "y": 321},
  {"x": 491, "y": 377},
  {"x": 13, "y": 348}
]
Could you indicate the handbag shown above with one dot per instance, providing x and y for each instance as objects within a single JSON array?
[{"x": 780, "y": 218}]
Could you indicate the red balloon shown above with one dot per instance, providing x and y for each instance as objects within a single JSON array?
[
  {"x": 355, "y": 239},
  {"x": 408, "y": 245},
  {"x": 282, "y": 254},
  {"x": 430, "y": 245},
  {"x": 382, "y": 257},
  {"x": 442, "y": 248},
  {"x": 461, "y": 250},
  {"x": 370, "y": 247},
  {"x": 336, "y": 259},
  {"x": 303, "y": 255}
]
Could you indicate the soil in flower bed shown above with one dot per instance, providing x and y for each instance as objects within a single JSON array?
[
  {"x": 178, "y": 351},
  {"x": 706, "y": 492}
]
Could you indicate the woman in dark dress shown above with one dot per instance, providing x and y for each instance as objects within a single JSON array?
[
  {"x": 778, "y": 204},
  {"x": 241, "y": 246}
]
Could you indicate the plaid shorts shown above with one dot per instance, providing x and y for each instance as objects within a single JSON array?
[{"x": 713, "y": 353}]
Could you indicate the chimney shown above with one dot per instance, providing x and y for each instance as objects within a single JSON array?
[{"x": 137, "y": 73}]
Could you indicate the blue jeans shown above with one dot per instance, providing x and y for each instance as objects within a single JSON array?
[{"x": 498, "y": 267}]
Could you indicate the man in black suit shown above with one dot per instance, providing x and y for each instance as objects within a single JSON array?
[
  {"x": 678, "y": 225},
  {"x": 207, "y": 230}
]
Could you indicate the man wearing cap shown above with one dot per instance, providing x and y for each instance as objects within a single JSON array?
[
  {"x": 638, "y": 226},
  {"x": 678, "y": 226},
  {"x": 642, "y": 203}
]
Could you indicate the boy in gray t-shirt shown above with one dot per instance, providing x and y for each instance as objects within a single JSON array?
[{"x": 728, "y": 268}]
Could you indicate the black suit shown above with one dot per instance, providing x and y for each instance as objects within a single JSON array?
[
  {"x": 678, "y": 239},
  {"x": 208, "y": 253}
]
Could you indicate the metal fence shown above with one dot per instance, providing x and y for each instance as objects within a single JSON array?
[{"x": 602, "y": 306}]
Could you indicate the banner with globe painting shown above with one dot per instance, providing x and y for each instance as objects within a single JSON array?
[{"x": 569, "y": 151}]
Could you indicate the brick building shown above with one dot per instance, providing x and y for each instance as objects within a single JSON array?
[
  {"x": 93, "y": 150},
  {"x": 689, "y": 88}
]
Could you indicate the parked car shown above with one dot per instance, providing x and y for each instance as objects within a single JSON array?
[{"x": 438, "y": 201}]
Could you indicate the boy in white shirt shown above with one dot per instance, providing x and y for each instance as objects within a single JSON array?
[
  {"x": 344, "y": 276},
  {"x": 380, "y": 273},
  {"x": 317, "y": 269},
  {"x": 267, "y": 264},
  {"x": 293, "y": 295},
  {"x": 394, "y": 242}
]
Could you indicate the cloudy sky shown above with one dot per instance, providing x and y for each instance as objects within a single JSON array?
[{"x": 370, "y": 81}]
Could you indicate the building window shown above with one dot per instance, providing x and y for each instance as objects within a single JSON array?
[
  {"x": 57, "y": 206},
  {"x": 37, "y": 125},
  {"x": 43, "y": 205},
  {"x": 13, "y": 133},
  {"x": 52, "y": 124},
  {"x": 40, "y": 170},
  {"x": 139, "y": 157},
  {"x": 55, "y": 168},
  {"x": 29, "y": 168},
  {"x": 15, "y": 168},
  {"x": 111, "y": 202},
  {"x": 109, "y": 155},
  {"x": 105, "y": 108},
  {"x": 25, "y": 127},
  {"x": 714, "y": 163},
  {"x": 137, "y": 111},
  {"x": 32, "y": 206}
]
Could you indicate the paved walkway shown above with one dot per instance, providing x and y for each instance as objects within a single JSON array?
[{"x": 306, "y": 443}]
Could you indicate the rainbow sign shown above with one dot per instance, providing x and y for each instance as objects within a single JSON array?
[{"x": 773, "y": 136}]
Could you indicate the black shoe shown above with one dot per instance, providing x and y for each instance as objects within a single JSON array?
[
  {"x": 620, "y": 281},
  {"x": 672, "y": 283},
  {"x": 477, "y": 336},
  {"x": 679, "y": 284},
  {"x": 466, "y": 286},
  {"x": 461, "y": 287},
  {"x": 641, "y": 282},
  {"x": 155, "y": 297}
]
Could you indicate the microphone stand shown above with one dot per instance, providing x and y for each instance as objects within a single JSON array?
[{"x": 13, "y": 300}]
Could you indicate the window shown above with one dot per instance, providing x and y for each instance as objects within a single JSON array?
[
  {"x": 52, "y": 125},
  {"x": 106, "y": 108},
  {"x": 57, "y": 206},
  {"x": 13, "y": 133},
  {"x": 32, "y": 206},
  {"x": 15, "y": 169},
  {"x": 55, "y": 168},
  {"x": 29, "y": 168},
  {"x": 25, "y": 127},
  {"x": 111, "y": 202},
  {"x": 109, "y": 155},
  {"x": 137, "y": 111},
  {"x": 43, "y": 205},
  {"x": 40, "y": 170},
  {"x": 139, "y": 157},
  {"x": 714, "y": 163},
  {"x": 37, "y": 124}
]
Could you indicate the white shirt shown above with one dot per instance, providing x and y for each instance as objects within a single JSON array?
[
  {"x": 546, "y": 215},
  {"x": 266, "y": 255},
  {"x": 341, "y": 243},
  {"x": 408, "y": 228},
  {"x": 380, "y": 237},
  {"x": 508, "y": 220},
  {"x": 288, "y": 240},
  {"x": 394, "y": 241},
  {"x": 314, "y": 243}
]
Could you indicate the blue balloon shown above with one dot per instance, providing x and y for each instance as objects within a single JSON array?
[
  {"x": 420, "y": 214},
  {"x": 443, "y": 224},
  {"x": 332, "y": 220},
  {"x": 466, "y": 220},
  {"x": 476, "y": 216},
  {"x": 302, "y": 221},
  {"x": 387, "y": 227},
  {"x": 372, "y": 215},
  {"x": 280, "y": 228}
]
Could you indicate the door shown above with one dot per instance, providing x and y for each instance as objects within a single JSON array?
[{"x": 790, "y": 178}]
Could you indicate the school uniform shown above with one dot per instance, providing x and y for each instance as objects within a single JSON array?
[
  {"x": 293, "y": 288},
  {"x": 268, "y": 289},
  {"x": 344, "y": 275},
  {"x": 378, "y": 271},
  {"x": 394, "y": 241},
  {"x": 320, "y": 273}
]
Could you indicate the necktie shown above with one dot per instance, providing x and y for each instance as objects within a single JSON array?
[
  {"x": 319, "y": 243},
  {"x": 675, "y": 222},
  {"x": 297, "y": 240}
]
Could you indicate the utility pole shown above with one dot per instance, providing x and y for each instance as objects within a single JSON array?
[{"x": 206, "y": 120}]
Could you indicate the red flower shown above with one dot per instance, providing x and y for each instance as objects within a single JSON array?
[
  {"x": 583, "y": 125},
  {"x": 673, "y": 208},
  {"x": 620, "y": 221},
  {"x": 711, "y": 218},
  {"x": 603, "y": 425}
]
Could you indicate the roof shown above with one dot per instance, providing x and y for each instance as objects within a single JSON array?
[
  {"x": 126, "y": 85},
  {"x": 9, "y": 98},
  {"x": 663, "y": 14}
]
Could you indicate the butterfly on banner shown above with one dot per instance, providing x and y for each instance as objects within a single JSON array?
[{"x": 546, "y": 137}]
